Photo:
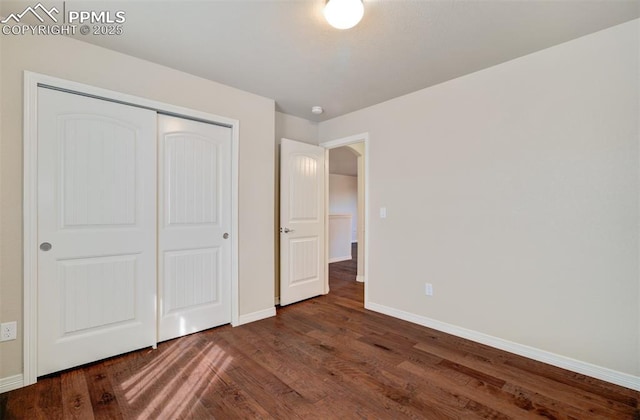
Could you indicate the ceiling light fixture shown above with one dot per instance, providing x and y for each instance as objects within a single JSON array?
[
  {"x": 317, "y": 110},
  {"x": 343, "y": 14}
]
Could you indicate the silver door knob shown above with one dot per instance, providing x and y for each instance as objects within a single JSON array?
[
  {"x": 287, "y": 230},
  {"x": 45, "y": 246},
  {"x": 225, "y": 236}
]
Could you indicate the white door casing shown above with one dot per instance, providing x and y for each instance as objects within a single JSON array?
[
  {"x": 302, "y": 221},
  {"x": 363, "y": 201},
  {"x": 194, "y": 214},
  {"x": 97, "y": 208}
]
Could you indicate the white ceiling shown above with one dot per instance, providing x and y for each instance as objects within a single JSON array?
[{"x": 286, "y": 51}]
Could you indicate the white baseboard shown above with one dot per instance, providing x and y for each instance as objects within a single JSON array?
[
  {"x": 256, "y": 316},
  {"x": 11, "y": 382},
  {"x": 605, "y": 374},
  {"x": 360, "y": 278},
  {"x": 338, "y": 259}
]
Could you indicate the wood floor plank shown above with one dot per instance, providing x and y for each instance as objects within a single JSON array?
[
  {"x": 537, "y": 383},
  {"x": 39, "y": 401},
  {"x": 383, "y": 363},
  {"x": 576, "y": 380},
  {"x": 554, "y": 376},
  {"x": 3, "y": 406},
  {"x": 295, "y": 374},
  {"x": 231, "y": 397},
  {"x": 76, "y": 399},
  {"x": 49, "y": 397},
  {"x": 372, "y": 386},
  {"x": 482, "y": 395},
  {"x": 278, "y": 399},
  {"x": 103, "y": 399}
]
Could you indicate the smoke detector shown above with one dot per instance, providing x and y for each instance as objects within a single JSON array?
[{"x": 317, "y": 110}]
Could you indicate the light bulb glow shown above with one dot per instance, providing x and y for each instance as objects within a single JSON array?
[{"x": 343, "y": 14}]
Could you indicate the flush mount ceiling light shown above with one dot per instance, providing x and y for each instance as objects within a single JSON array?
[
  {"x": 343, "y": 14},
  {"x": 317, "y": 110}
]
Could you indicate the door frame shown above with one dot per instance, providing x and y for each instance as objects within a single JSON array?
[
  {"x": 30, "y": 189},
  {"x": 333, "y": 144}
]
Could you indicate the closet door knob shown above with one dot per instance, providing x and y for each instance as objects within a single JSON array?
[{"x": 45, "y": 246}]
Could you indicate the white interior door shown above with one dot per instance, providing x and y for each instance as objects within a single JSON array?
[
  {"x": 96, "y": 229},
  {"x": 194, "y": 246},
  {"x": 302, "y": 221}
]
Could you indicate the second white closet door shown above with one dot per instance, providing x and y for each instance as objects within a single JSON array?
[{"x": 194, "y": 218}]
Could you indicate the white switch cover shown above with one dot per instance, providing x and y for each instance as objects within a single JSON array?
[{"x": 383, "y": 212}]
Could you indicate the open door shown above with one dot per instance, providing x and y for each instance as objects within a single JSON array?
[{"x": 302, "y": 221}]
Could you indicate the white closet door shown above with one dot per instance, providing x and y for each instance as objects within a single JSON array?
[
  {"x": 194, "y": 225},
  {"x": 96, "y": 229}
]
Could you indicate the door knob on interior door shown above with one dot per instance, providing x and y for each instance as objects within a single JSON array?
[
  {"x": 286, "y": 230},
  {"x": 45, "y": 246}
]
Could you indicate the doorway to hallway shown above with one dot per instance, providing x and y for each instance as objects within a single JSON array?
[{"x": 337, "y": 272}]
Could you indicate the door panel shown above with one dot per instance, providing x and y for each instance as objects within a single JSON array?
[
  {"x": 195, "y": 214},
  {"x": 98, "y": 168},
  {"x": 186, "y": 278},
  {"x": 97, "y": 292},
  {"x": 97, "y": 209},
  {"x": 301, "y": 221}
]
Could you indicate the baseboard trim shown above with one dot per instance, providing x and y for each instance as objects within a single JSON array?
[
  {"x": 256, "y": 316},
  {"x": 584, "y": 368},
  {"x": 11, "y": 382},
  {"x": 338, "y": 259},
  {"x": 360, "y": 278}
]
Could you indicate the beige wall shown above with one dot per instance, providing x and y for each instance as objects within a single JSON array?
[
  {"x": 81, "y": 62},
  {"x": 343, "y": 161},
  {"x": 514, "y": 191},
  {"x": 343, "y": 199},
  {"x": 292, "y": 128},
  {"x": 295, "y": 128}
]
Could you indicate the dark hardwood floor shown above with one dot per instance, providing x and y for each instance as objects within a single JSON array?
[{"x": 325, "y": 358}]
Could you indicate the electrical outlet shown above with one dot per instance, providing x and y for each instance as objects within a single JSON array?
[
  {"x": 428, "y": 289},
  {"x": 8, "y": 331}
]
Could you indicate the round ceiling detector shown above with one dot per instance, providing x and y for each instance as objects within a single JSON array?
[
  {"x": 343, "y": 14},
  {"x": 317, "y": 110}
]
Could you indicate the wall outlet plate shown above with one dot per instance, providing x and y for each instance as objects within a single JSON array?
[
  {"x": 428, "y": 289},
  {"x": 8, "y": 331}
]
